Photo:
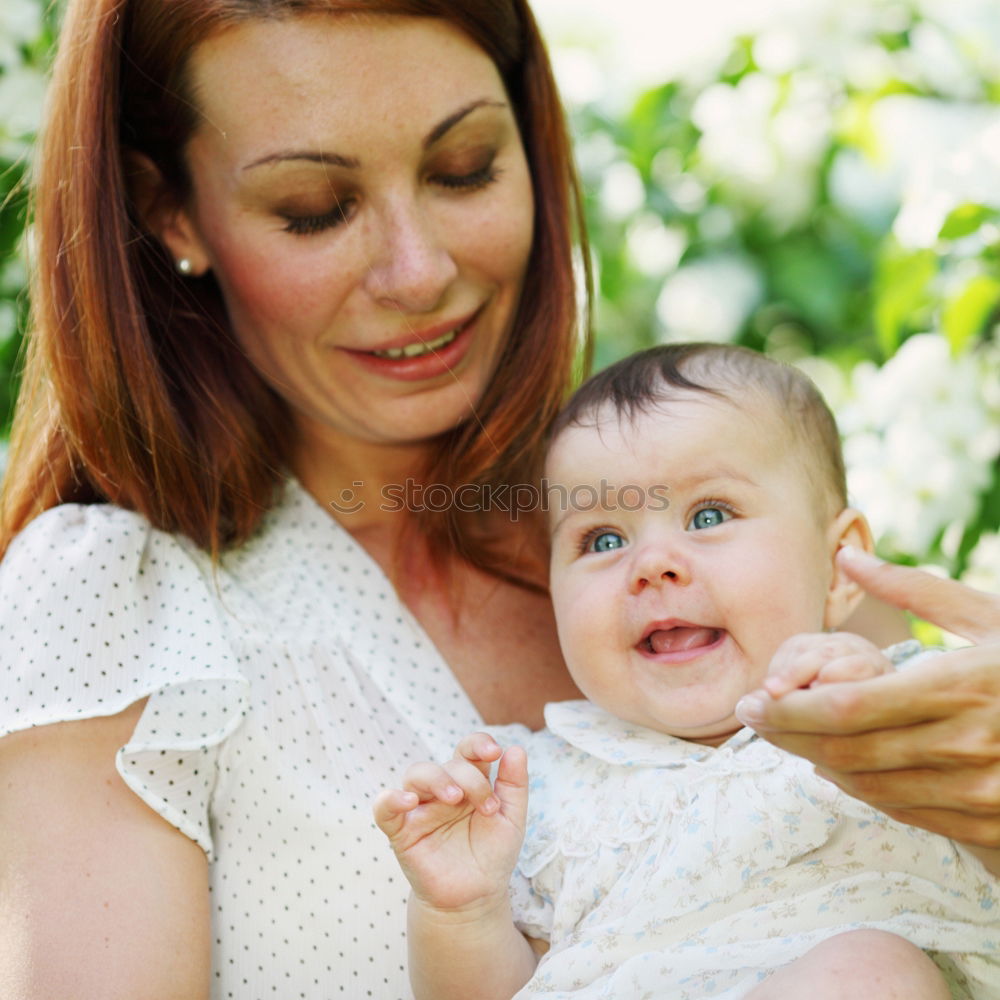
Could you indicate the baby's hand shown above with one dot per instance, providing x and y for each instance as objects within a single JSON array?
[
  {"x": 812, "y": 659},
  {"x": 455, "y": 836}
]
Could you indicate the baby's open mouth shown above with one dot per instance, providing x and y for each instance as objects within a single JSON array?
[{"x": 680, "y": 638}]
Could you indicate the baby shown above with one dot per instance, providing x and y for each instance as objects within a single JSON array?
[{"x": 666, "y": 851}]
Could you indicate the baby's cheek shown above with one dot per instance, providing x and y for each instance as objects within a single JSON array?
[{"x": 581, "y": 623}]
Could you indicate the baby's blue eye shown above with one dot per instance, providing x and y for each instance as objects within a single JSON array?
[
  {"x": 606, "y": 541},
  {"x": 709, "y": 517}
]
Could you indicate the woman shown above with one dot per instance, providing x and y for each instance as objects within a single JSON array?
[
  {"x": 304, "y": 269},
  {"x": 330, "y": 240}
]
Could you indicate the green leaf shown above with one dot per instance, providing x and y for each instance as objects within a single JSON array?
[
  {"x": 965, "y": 220},
  {"x": 964, "y": 317},
  {"x": 903, "y": 295},
  {"x": 804, "y": 272},
  {"x": 927, "y": 633},
  {"x": 856, "y": 127},
  {"x": 986, "y": 521}
]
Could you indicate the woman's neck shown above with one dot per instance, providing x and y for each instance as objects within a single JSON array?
[
  {"x": 367, "y": 487},
  {"x": 498, "y": 638}
]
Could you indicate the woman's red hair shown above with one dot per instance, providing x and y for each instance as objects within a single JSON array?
[{"x": 135, "y": 391}]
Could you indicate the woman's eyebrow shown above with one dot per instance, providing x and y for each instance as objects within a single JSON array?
[
  {"x": 352, "y": 162},
  {"x": 324, "y": 159},
  {"x": 453, "y": 119}
]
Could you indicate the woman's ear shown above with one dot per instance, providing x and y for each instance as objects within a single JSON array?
[
  {"x": 163, "y": 215},
  {"x": 849, "y": 527}
]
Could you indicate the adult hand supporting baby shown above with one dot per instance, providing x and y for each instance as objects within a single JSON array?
[{"x": 922, "y": 745}]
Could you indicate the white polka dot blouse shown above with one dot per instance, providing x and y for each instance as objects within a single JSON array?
[{"x": 286, "y": 686}]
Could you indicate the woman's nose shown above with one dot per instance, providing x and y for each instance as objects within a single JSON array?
[
  {"x": 411, "y": 267},
  {"x": 658, "y": 566}
]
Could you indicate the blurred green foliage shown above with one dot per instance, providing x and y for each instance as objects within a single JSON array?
[
  {"x": 27, "y": 34},
  {"x": 832, "y": 279}
]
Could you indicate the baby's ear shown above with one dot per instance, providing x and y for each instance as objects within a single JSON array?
[
  {"x": 161, "y": 213},
  {"x": 849, "y": 527}
]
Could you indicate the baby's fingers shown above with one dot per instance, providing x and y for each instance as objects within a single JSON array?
[
  {"x": 390, "y": 809},
  {"x": 790, "y": 678},
  {"x": 853, "y": 667},
  {"x": 794, "y": 665},
  {"x": 474, "y": 781},
  {"x": 822, "y": 658},
  {"x": 512, "y": 784},
  {"x": 453, "y": 783},
  {"x": 432, "y": 781},
  {"x": 479, "y": 749}
]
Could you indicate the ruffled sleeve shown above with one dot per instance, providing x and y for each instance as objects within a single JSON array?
[
  {"x": 99, "y": 611},
  {"x": 533, "y": 911}
]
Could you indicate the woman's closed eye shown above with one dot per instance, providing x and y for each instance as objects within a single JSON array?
[
  {"x": 471, "y": 181},
  {"x": 308, "y": 225},
  {"x": 311, "y": 224}
]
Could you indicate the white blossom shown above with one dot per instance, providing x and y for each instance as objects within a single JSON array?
[
  {"x": 622, "y": 191},
  {"x": 958, "y": 164},
  {"x": 983, "y": 570},
  {"x": 22, "y": 93},
  {"x": 709, "y": 299},
  {"x": 580, "y": 75},
  {"x": 20, "y": 22},
  {"x": 919, "y": 442},
  {"x": 653, "y": 248}
]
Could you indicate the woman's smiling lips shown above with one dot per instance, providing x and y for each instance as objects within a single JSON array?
[
  {"x": 679, "y": 641},
  {"x": 419, "y": 355}
]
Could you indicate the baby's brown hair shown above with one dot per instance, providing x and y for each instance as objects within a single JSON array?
[{"x": 639, "y": 383}]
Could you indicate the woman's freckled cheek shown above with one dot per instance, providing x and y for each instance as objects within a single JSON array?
[
  {"x": 277, "y": 291},
  {"x": 512, "y": 239}
]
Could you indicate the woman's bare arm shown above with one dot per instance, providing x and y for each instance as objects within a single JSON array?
[{"x": 100, "y": 898}]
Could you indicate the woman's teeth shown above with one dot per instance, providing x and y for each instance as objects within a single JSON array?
[{"x": 416, "y": 350}]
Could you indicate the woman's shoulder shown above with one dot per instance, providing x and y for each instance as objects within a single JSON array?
[
  {"x": 97, "y": 610},
  {"x": 81, "y": 567},
  {"x": 72, "y": 537}
]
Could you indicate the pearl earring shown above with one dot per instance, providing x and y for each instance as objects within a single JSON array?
[{"x": 184, "y": 265}]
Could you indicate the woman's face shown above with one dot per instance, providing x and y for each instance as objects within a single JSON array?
[{"x": 361, "y": 194}]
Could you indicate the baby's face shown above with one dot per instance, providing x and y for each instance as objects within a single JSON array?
[{"x": 705, "y": 550}]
